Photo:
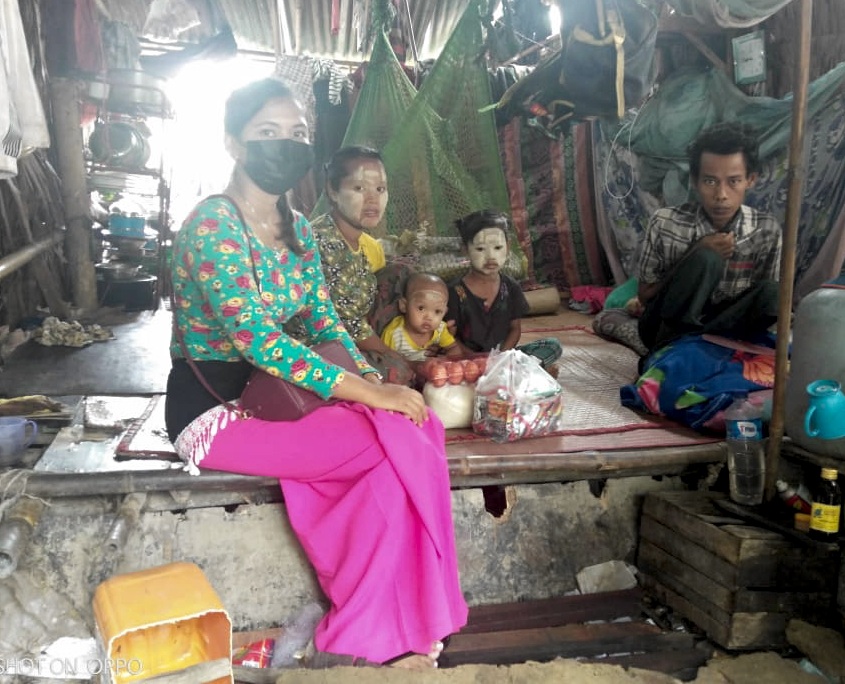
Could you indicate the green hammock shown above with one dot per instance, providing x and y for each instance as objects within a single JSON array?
[{"x": 440, "y": 151}]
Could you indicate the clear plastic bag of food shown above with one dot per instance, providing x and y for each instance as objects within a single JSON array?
[{"x": 516, "y": 398}]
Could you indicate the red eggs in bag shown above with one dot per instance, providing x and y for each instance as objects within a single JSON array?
[
  {"x": 455, "y": 372},
  {"x": 471, "y": 371},
  {"x": 438, "y": 375}
]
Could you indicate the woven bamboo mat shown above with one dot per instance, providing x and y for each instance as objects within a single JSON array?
[{"x": 591, "y": 371}]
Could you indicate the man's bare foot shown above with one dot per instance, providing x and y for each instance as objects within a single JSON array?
[{"x": 418, "y": 661}]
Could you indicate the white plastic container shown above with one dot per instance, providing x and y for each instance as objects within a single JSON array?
[{"x": 818, "y": 352}]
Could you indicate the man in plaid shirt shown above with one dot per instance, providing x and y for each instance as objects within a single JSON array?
[{"x": 711, "y": 266}]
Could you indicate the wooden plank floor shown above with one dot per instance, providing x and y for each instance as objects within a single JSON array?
[{"x": 603, "y": 628}]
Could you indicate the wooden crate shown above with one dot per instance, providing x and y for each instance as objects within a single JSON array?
[{"x": 739, "y": 583}]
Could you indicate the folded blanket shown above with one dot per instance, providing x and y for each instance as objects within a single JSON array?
[{"x": 692, "y": 380}]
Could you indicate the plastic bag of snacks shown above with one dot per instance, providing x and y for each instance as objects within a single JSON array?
[{"x": 515, "y": 398}]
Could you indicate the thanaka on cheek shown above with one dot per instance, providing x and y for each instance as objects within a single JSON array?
[
  {"x": 349, "y": 204},
  {"x": 362, "y": 196},
  {"x": 488, "y": 250}
]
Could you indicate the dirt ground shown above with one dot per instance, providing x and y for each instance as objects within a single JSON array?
[{"x": 755, "y": 668}]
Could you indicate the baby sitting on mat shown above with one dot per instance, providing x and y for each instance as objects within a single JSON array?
[{"x": 419, "y": 331}]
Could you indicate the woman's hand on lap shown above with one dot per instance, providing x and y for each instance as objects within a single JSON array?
[
  {"x": 403, "y": 400},
  {"x": 387, "y": 396}
]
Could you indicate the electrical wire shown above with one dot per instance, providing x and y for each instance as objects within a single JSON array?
[{"x": 629, "y": 126}]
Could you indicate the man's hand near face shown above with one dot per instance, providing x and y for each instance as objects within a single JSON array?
[{"x": 721, "y": 243}]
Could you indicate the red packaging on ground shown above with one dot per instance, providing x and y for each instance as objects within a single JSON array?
[{"x": 256, "y": 654}]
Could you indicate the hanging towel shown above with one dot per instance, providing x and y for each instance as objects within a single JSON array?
[
  {"x": 338, "y": 78},
  {"x": 22, "y": 122}
]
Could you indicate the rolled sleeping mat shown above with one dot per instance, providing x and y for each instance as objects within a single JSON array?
[{"x": 545, "y": 300}]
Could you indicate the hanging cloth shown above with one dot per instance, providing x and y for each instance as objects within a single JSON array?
[
  {"x": 335, "y": 17},
  {"x": 728, "y": 13},
  {"x": 337, "y": 76},
  {"x": 361, "y": 19},
  {"x": 86, "y": 29},
  {"x": 22, "y": 122}
]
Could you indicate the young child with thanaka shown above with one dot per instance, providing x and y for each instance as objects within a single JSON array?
[
  {"x": 419, "y": 331},
  {"x": 487, "y": 305}
]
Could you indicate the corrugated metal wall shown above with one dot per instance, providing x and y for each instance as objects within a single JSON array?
[{"x": 308, "y": 24}]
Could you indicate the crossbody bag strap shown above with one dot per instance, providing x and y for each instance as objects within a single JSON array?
[
  {"x": 181, "y": 339},
  {"x": 193, "y": 366}
]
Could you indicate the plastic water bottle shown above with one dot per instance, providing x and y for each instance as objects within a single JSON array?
[
  {"x": 299, "y": 627},
  {"x": 746, "y": 457}
]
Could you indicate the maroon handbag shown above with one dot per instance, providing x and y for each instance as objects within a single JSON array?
[{"x": 271, "y": 398}]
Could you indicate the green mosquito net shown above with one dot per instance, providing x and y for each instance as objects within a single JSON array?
[
  {"x": 440, "y": 150},
  {"x": 385, "y": 96}
]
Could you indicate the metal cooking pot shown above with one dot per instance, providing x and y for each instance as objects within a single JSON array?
[
  {"x": 130, "y": 88},
  {"x": 117, "y": 270},
  {"x": 119, "y": 144}
]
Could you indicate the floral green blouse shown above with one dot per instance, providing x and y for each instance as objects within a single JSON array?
[
  {"x": 348, "y": 275},
  {"x": 223, "y": 316}
]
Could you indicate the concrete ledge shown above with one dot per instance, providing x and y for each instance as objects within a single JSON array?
[{"x": 252, "y": 558}]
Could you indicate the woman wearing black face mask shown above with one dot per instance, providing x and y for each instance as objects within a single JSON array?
[{"x": 365, "y": 480}]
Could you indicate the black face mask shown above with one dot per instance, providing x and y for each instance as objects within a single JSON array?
[{"x": 276, "y": 166}]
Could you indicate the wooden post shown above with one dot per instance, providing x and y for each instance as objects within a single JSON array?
[
  {"x": 276, "y": 29},
  {"x": 64, "y": 96},
  {"x": 297, "y": 28},
  {"x": 790, "y": 238}
]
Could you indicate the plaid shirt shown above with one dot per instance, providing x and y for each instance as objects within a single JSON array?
[{"x": 673, "y": 230}]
